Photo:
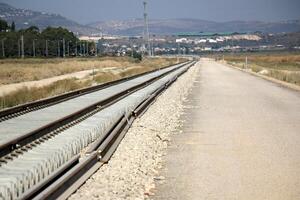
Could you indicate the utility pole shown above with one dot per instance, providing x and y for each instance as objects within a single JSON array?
[
  {"x": 68, "y": 47},
  {"x": 96, "y": 49},
  {"x": 58, "y": 49},
  {"x": 46, "y": 49},
  {"x": 146, "y": 30},
  {"x": 246, "y": 62},
  {"x": 76, "y": 49},
  {"x": 80, "y": 48},
  {"x": 3, "y": 48},
  {"x": 33, "y": 47},
  {"x": 22, "y": 46},
  {"x": 178, "y": 51},
  {"x": 87, "y": 48},
  {"x": 83, "y": 48},
  {"x": 19, "y": 48},
  {"x": 152, "y": 48},
  {"x": 64, "y": 47}
]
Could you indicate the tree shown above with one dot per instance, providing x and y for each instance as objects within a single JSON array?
[
  {"x": 55, "y": 36},
  {"x": 33, "y": 29},
  {"x": 137, "y": 56},
  {"x": 3, "y": 26},
  {"x": 36, "y": 41},
  {"x": 13, "y": 27}
]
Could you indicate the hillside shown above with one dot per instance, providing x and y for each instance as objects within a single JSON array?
[
  {"x": 172, "y": 26},
  {"x": 26, "y": 18}
]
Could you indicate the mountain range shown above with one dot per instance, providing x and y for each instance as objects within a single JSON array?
[
  {"x": 24, "y": 18},
  {"x": 171, "y": 26}
]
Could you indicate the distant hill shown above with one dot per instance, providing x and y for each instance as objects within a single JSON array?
[
  {"x": 173, "y": 26},
  {"x": 25, "y": 18}
]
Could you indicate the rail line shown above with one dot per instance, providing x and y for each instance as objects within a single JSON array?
[
  {"x": 19, "y": 110},
  {"x": 30, "y": 129},
  {"x": 80, "y": 127}
]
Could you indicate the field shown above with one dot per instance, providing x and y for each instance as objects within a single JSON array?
[
  {"x": 282, "y": 66},
  {"x": 17, "y": 70},
  {"x": 106, "y": 69}
]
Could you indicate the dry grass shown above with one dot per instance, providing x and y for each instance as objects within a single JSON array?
[
  {"x": 25, "y": 94},
  {"x": 16, "y": 70},
  {"x": 284, "y": 67},
  {"x": 126, "y": 67},
  {"x": 133, "y": 69},
  {"x": 275, "y": 61},
  {"x": 105, "y": 77}
]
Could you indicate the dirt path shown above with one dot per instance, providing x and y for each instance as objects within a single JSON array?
[
  {"x": 5, "y": 89},
  {"x": 240, "y": 140}
]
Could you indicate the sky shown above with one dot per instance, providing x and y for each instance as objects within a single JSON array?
[{"x": 87, "y": 11}]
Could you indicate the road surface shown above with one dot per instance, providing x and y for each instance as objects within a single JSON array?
[{"x": 240, "y": 140}]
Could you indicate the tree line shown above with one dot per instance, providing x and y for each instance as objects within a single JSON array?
[{"x": 50, "y": 42}]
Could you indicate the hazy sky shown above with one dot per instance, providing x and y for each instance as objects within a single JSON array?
[{"x": 85, "y": 11}]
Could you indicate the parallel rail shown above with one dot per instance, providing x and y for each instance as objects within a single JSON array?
[
  {"x": 49, "y": 130},
  {"x": 16, "y": 111},
  {"x": 73, "y": 174}
]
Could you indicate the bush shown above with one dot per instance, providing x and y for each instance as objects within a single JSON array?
[{"x": 137, "y": 56}]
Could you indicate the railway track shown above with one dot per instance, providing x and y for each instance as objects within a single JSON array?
[
  {"x": 63, "y": 109},
  {"x": 50, "y": 157},
  {"x": 19, "y": 110}
]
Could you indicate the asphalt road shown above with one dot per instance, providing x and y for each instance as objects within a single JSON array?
[{"x": 240, "y": 140}]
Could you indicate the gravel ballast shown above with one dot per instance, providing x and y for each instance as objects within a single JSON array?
[{"x": 134, "y": 168}]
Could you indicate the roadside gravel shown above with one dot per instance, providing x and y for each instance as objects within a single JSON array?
[{"x": 134, "y": 168}]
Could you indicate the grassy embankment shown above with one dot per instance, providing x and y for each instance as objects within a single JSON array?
[
  {"x": 281, "y": 66},
  {"x": 16, "y": 71}
]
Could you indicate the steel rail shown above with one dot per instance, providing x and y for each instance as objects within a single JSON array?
[
  {"x": 16, "y": 111},
  {"x": 17, "y": 143},
  {"x": 67, "y": 179}
]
